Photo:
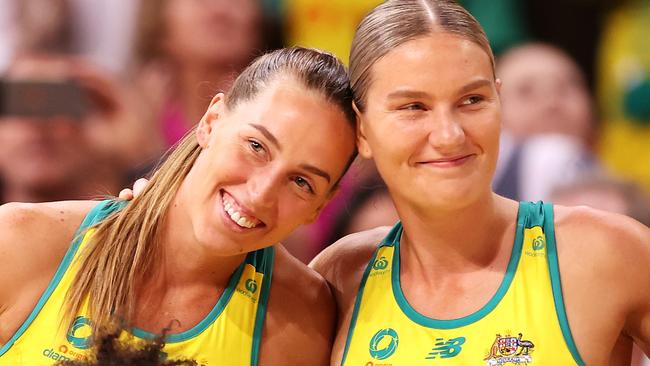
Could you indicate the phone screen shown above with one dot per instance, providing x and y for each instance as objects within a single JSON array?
[{"x": 42, "y": 99}]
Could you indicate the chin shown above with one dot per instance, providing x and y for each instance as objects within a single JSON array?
[{"x": 452, "y": 196}]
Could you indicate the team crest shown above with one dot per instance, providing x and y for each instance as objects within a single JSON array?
[{"x": 510, "y": 350}]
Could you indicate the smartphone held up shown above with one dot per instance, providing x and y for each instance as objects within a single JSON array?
[{"x": 43, "y": 99}]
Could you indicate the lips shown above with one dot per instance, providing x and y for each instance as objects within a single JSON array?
[
  {"x": 239, "y": 214},
  {"x": 449, "y": 161}
]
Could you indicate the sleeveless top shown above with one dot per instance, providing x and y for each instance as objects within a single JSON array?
[
  {"x": 230, "y": 333},
  {"x": 524, "y": 323}
]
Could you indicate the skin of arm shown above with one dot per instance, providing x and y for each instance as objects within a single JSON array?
[
  {"x": 604, "y": 268},
  {"x": 33, "y": 240},
  {"x": 299, "y": 324}
]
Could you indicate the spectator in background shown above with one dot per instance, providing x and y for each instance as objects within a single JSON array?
[
  {"x": 544, "y": 91},
  {"x": 60, "y": 157},
  {"x": 607, "y": 194},
  {"x": 44, "y": 25},
  {"x": 186, "y": 50},
  {"x": 548, "y": 122}
]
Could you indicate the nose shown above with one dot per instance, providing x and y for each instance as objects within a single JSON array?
[
  {"x": 446, "y": 133},
  {"x": 263, "y": 189}
]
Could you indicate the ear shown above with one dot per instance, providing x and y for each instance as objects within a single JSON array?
[
  {"x": 362, "y": 142},
  {"x": 498, "y": 83},
  {"x": 210, "y": 118}
]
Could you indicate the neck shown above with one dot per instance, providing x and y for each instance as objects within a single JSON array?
[
  {"x": 185, "y": 261},
  {"x": 459, "y": 240},
  {"x": 197, "y": 84}
]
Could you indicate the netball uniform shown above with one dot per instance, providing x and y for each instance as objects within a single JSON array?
[
  {"x": 523, "y": 324},
  {"x": 229, "y": 335}
]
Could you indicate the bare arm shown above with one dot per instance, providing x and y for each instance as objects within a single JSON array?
[
  {"x": 33, "y": 240},
  {"x": 299, "y": 327},
  {"x": 604, "y": 266}
]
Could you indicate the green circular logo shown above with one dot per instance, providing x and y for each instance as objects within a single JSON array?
[
  {"x": 251, "y": 286},
  {"x": 79, "y": 323},
  {"x": 380, "y": 264},
  {"x": 539, "y": 243},
  {"x": 383, "y": 344}
]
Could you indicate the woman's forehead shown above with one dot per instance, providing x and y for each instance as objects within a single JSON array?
[{"x": 430, "y": 61}]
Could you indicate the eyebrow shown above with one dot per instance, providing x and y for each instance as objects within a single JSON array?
[
  {"x": 407, "y": 94},
  {"x": 420, "y": 94},
  {"x": 474, "y": 85},
  {"x": 313, "y": 169},
  {"x": 267, "y": 134}
]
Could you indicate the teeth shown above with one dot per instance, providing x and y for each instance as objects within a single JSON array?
[{"x": 237, "y": 217}]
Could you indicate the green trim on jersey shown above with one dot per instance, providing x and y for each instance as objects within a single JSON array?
[
  {"x": 556, "y": 284},
  {"x": 362, "y": 286},
  {"x": 205, "y": 322},
  {"x": 479, "y": 314},
  {"x": 267, "y": 257}
]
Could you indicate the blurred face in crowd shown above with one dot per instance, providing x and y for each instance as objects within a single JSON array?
[
  {"x": 431, "y": 125},
  {"x": 544, "y": 92},
  {"x": 602, "y": 198},
  {"x": 43, "y": 154},
  {"x": 212, "y": 31}
]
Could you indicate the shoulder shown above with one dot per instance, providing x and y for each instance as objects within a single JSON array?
[
  {"x": 299, "y": 325},
  {"x": 28, "y": 225},
  {"x": 33, "y": 240},
  {"x": 342, "y": 264},
  {"x": 604, "y": 249},
  {"x": 601, "y": 235},
  {"x": 298, "y": 283}
]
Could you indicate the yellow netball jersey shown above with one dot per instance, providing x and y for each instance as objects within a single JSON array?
[
  {"x": 229, "y": 335},
  {"x": 523, "y": 324}
]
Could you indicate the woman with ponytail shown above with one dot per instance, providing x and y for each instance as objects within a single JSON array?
[{"x": 198, "y": 247}]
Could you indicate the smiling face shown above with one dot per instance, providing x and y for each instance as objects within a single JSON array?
[
  {"x": 267, "y": 166},
  {"x": 432, "y": 122}
]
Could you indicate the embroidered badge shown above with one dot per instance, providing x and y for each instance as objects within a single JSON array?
[{"x": 510, "y": 350}]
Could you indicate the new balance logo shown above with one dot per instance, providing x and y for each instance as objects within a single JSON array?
[{"x": 446, "y": 349}]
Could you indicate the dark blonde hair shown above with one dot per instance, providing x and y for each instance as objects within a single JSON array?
[
  {"x": 395, "y": 22},
  {"x": 126, "y": 245}
]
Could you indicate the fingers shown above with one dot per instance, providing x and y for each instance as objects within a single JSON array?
[
  {"x": 139, "y": 186},
  {"x": 126, "y": 194}
]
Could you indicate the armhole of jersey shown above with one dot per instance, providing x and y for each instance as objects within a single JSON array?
[
  {"x": 556, "y": 284},
  {"x": 357, "y": 303},
  {"x": 95, "y": 214},
  {"x": 267, "y": 265}
]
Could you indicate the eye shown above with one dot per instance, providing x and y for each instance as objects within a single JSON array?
[
  {"x": 413, "y": 107},
  {"x": 472, "y": 100},
  {"x": 255, "y": 146},
  {"x": 303, "y": 184}
]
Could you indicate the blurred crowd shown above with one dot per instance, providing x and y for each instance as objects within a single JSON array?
[{"x": 94, "y": 92}]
